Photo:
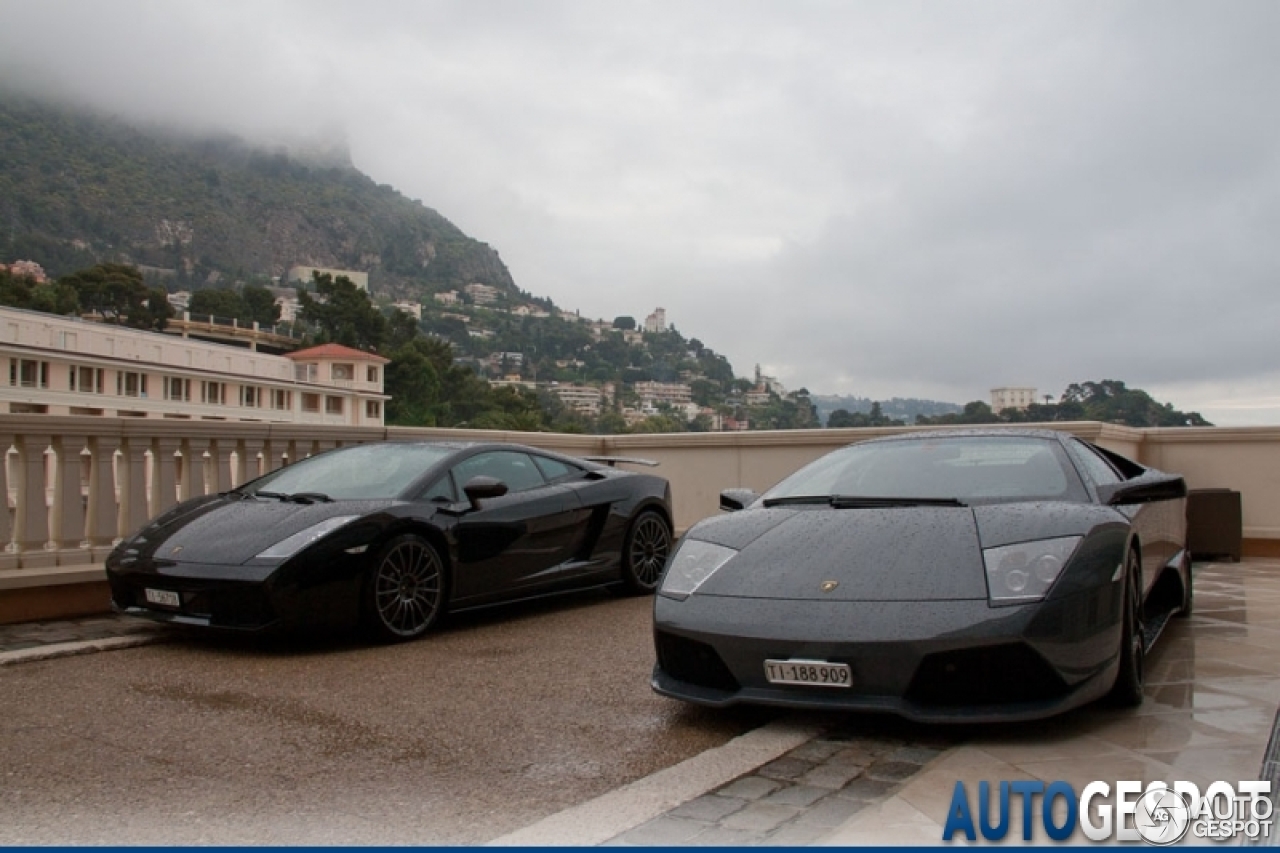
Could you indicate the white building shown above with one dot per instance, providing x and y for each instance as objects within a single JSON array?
[
  {"x": 580, "y": 398},
  {"x": 413, "y": 309},
  {"x": 65, "y": 366},
  {"x": 449, "y": 297},
  {"x": 1012, "y": 398},
  {"x": 482, "y": 294},
  {"x": 657, "y": 321},
  {"x": 672, "y": 393},
  {"x": 303, "y": 275}
]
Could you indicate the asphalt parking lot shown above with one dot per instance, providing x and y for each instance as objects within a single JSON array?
[{"x": 497, "y": 720}]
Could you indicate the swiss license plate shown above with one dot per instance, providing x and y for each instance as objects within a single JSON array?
[
  {"x": 163, "y": 597},
  {"x": 811, "y": 673}
]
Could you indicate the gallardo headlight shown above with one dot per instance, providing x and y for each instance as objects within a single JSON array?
[
  {"x": 693, "y": 562},
  {"x": 286, "y": 548},
  {"x": 1024, "y": 572}
]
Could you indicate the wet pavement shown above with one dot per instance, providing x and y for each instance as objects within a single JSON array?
[{"x": 511, "y": 720}]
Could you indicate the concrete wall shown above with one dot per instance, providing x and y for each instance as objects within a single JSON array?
[{"x": 75, "y": 485}]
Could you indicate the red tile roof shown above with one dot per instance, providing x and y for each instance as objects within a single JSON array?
[{"x": 335, "y": 351}]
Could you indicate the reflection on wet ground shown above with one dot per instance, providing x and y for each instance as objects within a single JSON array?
[{"x": 1213, "y": 687}]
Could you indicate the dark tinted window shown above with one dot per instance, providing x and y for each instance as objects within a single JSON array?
[
  {"x": 362, "y": 471},
  {"x": 441, "y": 491},
  {"x": 1095, "y": 467},
  {"x": 511, "y": 467},
  {"x": 968, "y": 468},
  {"x": 555, "y": 470}
]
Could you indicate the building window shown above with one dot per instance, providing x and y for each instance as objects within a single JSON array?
[
  {"x": 281, "y": 399},
  {"x": 28, "y": 373},
  {"x": 177, "y": 389},
  {"x": 88, "y": 380},
  {"x": 213, "y": 393},
  {"x": 311, "y": 402},
  {"x": 342, "y": 372},
  {"x": 333, "y": 405},
  {"x": 131, "y": 384},
  {"x": 372, "y": 409},
  {"x": 250, "y": 397},
  {"x": 305, "y": 372},
  {"x": 373, "y": 374}
]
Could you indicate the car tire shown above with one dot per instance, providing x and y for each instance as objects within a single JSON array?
[
  {"x": 404, "y": 591},
  {"x": 1127, "y": 691},
  {"x": 644, "y": 552},
  {"x": 1188, "y": 589}
]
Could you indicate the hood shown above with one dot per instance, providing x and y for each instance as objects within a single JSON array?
[
  {"x": 924, "y": 553},
  {"x": 227, "y": 531}
]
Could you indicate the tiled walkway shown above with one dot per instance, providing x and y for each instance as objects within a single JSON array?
[{"x": 1213, "y": 688}]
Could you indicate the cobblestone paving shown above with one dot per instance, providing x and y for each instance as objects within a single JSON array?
[
  {"x": 800, "y": 797},
  {"x": 27, "y": 635}
]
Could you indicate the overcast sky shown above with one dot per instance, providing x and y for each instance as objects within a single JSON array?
[{"x": 872, "y": 198}]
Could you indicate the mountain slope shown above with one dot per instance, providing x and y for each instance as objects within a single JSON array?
[{"x": 77, "y": 188}]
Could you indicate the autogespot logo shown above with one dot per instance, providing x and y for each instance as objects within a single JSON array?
[{"x": 1156, "y": 813}]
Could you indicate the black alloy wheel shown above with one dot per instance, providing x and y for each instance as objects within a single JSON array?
[
  {"x": 1127, "y": 692},
  {"x": 405, "y": 590},
  {"x": 645, "y": 552}
]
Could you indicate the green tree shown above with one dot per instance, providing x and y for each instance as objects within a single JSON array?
[
  {"x": 218, "y": 302},
  {"x": 260, "y": 305},
  {"x": 624, "y": 323},
  {"x": 343, "y": 314},
  {"x": 117, "y": 293}
]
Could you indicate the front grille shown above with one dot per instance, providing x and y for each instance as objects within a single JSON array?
[
  {"x": 692, "y": 662},
  {"x": 995, "y": 675}
]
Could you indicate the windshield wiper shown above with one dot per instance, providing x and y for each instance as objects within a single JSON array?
[
  {"x": 854, "y": 502},
  {"x": 297, "y": 498}
]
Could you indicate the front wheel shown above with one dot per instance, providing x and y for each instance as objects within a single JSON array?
[
  {"x": 644, "y": 552},
  {"x": 404, "y": 592},
  {"x": 1127, "y": 692}
]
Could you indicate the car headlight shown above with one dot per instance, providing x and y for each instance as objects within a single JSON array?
[
  {"x": 693, "y": 562},
  {"x": 1025, "y": 571},
  {"x": 286, "y": 548}
]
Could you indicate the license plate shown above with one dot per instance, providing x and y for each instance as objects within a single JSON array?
[
  {"x": 810, "y": 673},
  {"x": 163, "y": 597}
]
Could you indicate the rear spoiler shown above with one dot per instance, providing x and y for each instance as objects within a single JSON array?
[{"x": 612, "y": 461}]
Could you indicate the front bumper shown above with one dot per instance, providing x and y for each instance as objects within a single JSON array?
[{"x": 958, "y": 661}]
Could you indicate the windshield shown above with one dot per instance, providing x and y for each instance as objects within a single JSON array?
[
  {"x": 961, "y": 468},
  {"x": 366, "y": 471}
]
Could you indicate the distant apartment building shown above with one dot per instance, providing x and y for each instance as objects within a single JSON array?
[
  {"x": 27, "y": 269},
  {"x": 448, "y": 297},
  {"x": 482, "y": 294},
  {"x": 65, "y": 366},
  {"x": 657, "y": 321},
  {"x": 180, "y": 300},
  {"x": 671, "y": 393},
  {"x": 413, "y": 309},
  {"x": 582, "y": 399},
  {"x": 303, "y": 275},
  {"x": 1012, "y": 398}
]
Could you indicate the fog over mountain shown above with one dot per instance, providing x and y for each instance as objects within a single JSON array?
[{"x": 880, "y": 199}]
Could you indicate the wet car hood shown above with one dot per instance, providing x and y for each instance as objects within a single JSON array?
[
  {"x": 219, "y": 530},
  {"x": 914, "y": 553}
]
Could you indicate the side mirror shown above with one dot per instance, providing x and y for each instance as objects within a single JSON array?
[
  {"x": 1144, "y": 489},
  {"x": 732, "y": 500},
  {"x": 479, "y": 488}
]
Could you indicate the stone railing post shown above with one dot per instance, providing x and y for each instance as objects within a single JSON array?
[
  {"x": 221, "y": 452},
  {"x": 164, "y": 474},
  {"x": 193, "y": 462},
  {"x": 8, "y": 557},
  {"x": 249, "y": 466},
  {"x": 103, "y": 520},
  {"x": 31, "y": 521},
  {"x": 68, "y": 516},
  {"x": 133, "y": 484}
]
